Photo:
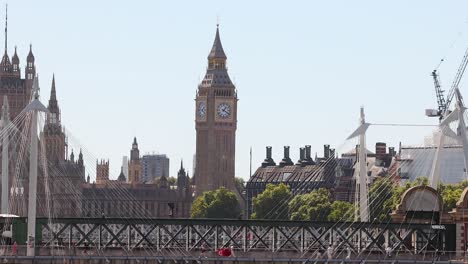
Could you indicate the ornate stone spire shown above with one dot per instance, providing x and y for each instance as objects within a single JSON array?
[
  {"x": 53, "y": 116},
  {"x": 217, "y": 51},
  {"x": 6, "y": 60},
  {"x": 53, "y": 92},
  {"x": 216, "y": 74},
  {"x": 80, "y": 159},
  {"x": 121, "y": 177},
  {"x": 30, "y": 57},
  {"x": 15, "y": 58},
  {"x": 6, "y": 29}
]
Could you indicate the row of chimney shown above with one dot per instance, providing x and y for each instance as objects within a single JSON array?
[{"x": 305, "y": 157}]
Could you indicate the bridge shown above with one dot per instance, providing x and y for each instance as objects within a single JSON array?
[{"x": 185, "y": 240}]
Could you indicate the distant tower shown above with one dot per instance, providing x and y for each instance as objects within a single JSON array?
[
  {"x": 80, "y": 159},
  {"x": 18, "y": 90},
  {"x": 53, "y": 133},
  {"x": 121, "y": 177},
  {"x": 102, "y": 171},
  {"x": 182, "y": 179},
  {"x": 6, "y": 67},
  {"x": 134, "y": 166},
  {"x": 30, "y": 70},
  {"x": 15, "y": 65},
  {"x": 216, "y": 123}
]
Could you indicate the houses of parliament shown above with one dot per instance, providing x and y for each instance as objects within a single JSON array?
[{"x": 65, "y": 188}]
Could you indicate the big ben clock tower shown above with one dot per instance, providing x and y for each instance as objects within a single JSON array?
[{"x": 215, "y": 123}]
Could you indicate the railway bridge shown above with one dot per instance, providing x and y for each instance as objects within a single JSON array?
[{"x": 138, "y": 240}]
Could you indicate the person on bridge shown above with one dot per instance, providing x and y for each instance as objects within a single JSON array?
[
  {"x": 73, "y": 249},
  {"x": 388, "y": 250},
  {"x": 232, "y": 251},
  {"x": 319, "y": 254},
  {"x": 224, "y": 252},
  {"x": 14, "y": 248},
  {"x": 348, "y": 254},
  {"x": 330, "y": 252},
  {"x": 203, "y": 250}
]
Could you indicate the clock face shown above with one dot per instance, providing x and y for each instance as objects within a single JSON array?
[
  {"x": 202, "y": 110},
  {"x": 224, "y": 110}
]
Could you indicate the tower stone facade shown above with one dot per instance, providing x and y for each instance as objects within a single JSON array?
[
  {"x": 64, "y": 174},
  {"x": 102, "y": 171},
  {"x": 17, "y": 89},
  {"x": 215, "y": 124}
]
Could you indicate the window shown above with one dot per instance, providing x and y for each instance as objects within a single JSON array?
[
  {"x": 286, "y": 175},
  {"x": 53, "y": 118}
]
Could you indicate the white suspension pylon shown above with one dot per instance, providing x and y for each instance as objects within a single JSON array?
[
  {"x": 446, "y": 131},
  {"x": 462, "y": 127},
  {"x": 5, "y": 156},
  {"x": 434, "y": 178},
  {"x": 34, "y": 107},
  {"x": 362, "y": 189}
]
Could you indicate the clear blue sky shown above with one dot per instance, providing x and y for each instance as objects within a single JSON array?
[{"x": 302, "y": 69}]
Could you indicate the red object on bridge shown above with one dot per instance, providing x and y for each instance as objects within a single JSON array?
[{"x": 224, "y": 252}]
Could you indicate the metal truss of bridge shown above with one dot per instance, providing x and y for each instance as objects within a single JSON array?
[{"x": 190, "y": 235}]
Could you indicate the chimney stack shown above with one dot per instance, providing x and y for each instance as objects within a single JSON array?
[
  {"x": 286, "y": 160},
  {"x": 301, "y": 156},
  {"x": 268, "y": 160},
  {"x": 332, "y": 153},
  {"x": 380, "y": 150},
  {"x": 308, "y": 159},
  {"x": 307, "y": 153}
]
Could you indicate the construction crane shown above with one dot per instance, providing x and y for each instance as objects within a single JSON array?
[
  {"x": 439, "y": 96},
  {"x": 444, "y": 104}
]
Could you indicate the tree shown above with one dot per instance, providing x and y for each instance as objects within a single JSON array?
[
  {"x": 381, "y": 201},
  {"x": 313, "y": 206},
  {"x": 451, "y": 193},
  {"x": 341, "y": 211},
  {"x": 272, "y": 202},
  {"x": 221, "y": 203},
  {"x": 240, "y": 184},
  {"x": 421, "y": 181},
  {"x": 171, "y": 180}
]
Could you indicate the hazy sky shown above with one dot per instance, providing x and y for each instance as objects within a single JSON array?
[{"x": 302, "y": 69}]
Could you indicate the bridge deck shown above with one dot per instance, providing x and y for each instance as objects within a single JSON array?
[{"x": 188, "y": 260}]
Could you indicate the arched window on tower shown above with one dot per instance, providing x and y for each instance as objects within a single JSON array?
[{"x": 53, "y": 118}]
